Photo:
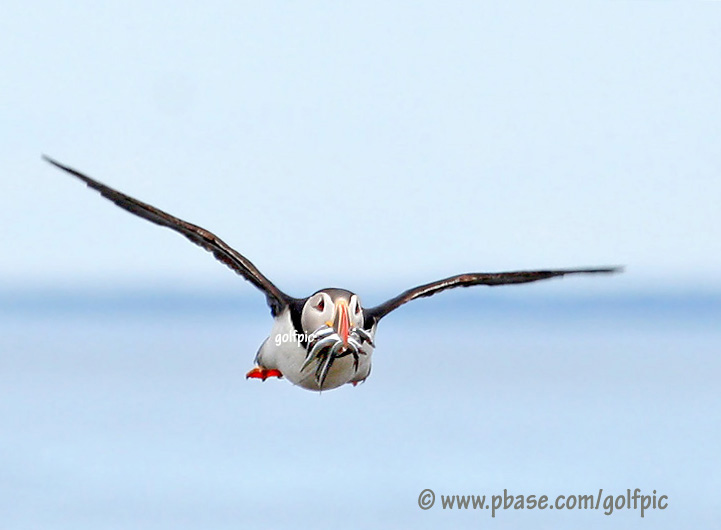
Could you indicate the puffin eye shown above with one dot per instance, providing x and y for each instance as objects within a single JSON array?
[
  {"x": 357, "y": 309},
  {"x": 320, "y": 305}
]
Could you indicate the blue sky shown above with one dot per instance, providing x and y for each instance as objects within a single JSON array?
[{"x": 361, "y": 143}]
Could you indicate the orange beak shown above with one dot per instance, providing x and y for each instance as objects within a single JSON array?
[{"x": 342, "y": 321}]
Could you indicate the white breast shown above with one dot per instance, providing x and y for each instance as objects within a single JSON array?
[{"x": 282, "y": 350}]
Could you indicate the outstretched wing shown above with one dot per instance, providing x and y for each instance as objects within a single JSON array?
[
  {"x": 374, "y": 314},
  {"x": 276, "y": 298}
]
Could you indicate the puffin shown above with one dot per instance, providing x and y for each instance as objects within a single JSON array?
[{"x": 327, "y": 339}]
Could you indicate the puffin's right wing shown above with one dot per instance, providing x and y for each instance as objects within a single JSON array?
[
  {"x": 277, "y": 299},
  {"x": 374, "y": 314}
]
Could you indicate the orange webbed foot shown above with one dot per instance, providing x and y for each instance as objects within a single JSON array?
[{"x": 263, "y": 373}]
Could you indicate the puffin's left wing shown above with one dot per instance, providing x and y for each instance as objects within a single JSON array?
[
  {"x": 374, "y": 314},
  {"x": 277, "y": 299}
]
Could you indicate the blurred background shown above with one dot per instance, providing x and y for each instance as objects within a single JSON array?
[{"x": 370, "y": 146}]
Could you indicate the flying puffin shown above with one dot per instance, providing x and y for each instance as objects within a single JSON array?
[{"x": 327, "y": 339}]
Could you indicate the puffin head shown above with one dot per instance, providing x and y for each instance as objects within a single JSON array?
[
  {"x": 333, "y": 322},
  {"x": 332, "y": 308}
]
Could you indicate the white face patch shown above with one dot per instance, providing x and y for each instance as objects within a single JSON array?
[
  {"x": 317, "y": 312},
  {"x": 355, "y": 311}
]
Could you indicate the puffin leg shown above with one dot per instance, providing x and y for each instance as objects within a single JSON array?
[{"x": 263, "y": 373}]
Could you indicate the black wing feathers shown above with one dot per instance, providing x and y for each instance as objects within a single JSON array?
[
  {"x": 476, "y": 278},
  {"x": 276, "y": 298}
]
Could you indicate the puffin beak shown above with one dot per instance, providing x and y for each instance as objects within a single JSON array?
[{"x": 342, "y": 321}]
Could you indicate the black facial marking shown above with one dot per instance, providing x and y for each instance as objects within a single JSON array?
[{"x": 296, "y": 310}]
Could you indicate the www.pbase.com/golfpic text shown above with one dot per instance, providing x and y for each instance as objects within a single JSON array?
[{"x": 609, "y": 503}]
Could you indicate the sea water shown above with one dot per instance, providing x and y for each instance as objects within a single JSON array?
[{"x": 120, "y": 412}]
